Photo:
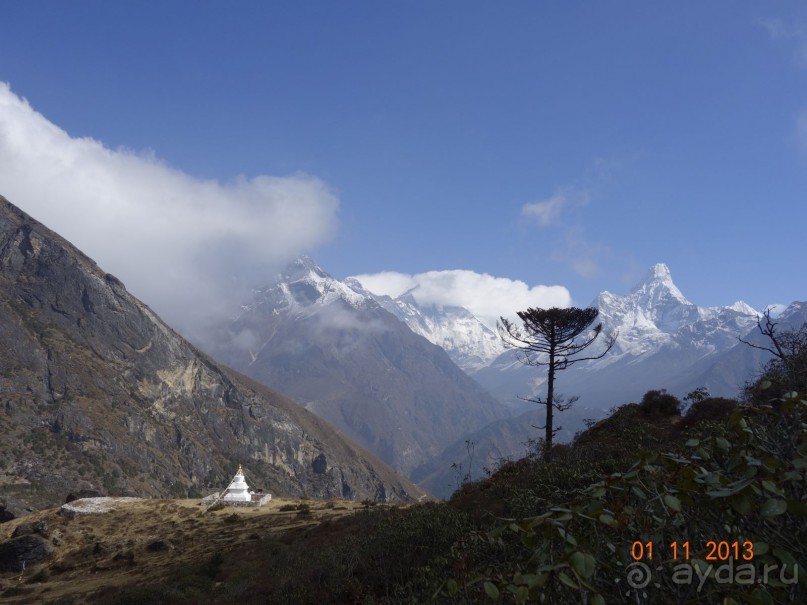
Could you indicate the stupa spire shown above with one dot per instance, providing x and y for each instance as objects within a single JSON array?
[
  {"x": 238, "y": 490},
  {"x": 238, "y": 493}
]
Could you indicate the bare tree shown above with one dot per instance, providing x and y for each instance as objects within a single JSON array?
[
  {"x": 549, "y": 338},
  {"x": 768, "y": 330},
  {"x": 788, "y": 367}
]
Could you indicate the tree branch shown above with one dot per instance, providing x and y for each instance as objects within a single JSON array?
[{"x": 769, "y": 331}]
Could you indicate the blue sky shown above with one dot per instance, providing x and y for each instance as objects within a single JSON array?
[{"x": 571, "y": 144}]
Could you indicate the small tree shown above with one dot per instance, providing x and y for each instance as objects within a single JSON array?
[
  {"x": 548, "y": 338},
  {"x": 697, "y": 395}
]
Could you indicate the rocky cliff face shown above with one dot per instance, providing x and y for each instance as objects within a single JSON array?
[{"x": 96, "y": 392}]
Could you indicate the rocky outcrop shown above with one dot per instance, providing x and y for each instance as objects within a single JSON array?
[
  {"x": 11, "y": 506},
  {"x": 82, "y": 493},
  {"x": 93, "y": 506},
  {"x": 159, "y": 545},
  {"x": 27, "y": 529},
  {"x": 97, "y": 393},
  {"x": 17, "y": 553}
]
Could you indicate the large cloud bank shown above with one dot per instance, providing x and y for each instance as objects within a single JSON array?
[
  {"x": 187, "y": 247},
  {"x": 485, "y": 296}
]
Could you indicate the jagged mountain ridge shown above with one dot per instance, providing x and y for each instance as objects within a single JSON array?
[
  {"x": 332, "y": 347},
  {"x": 732, "y": 368},
  {"x": 664, "y": 341},
  {"x": 98, "y": 393},
  {"x": 662, "y": 336},
  {"x": 655, "y": 314},
  {"x": 469, "y": 342},
  {"x": 654, "y": 320}
]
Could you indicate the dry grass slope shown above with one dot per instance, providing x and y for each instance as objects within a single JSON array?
[{"x": 145, "y": 542}]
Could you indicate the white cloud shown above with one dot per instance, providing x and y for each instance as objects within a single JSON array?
[
  {"x": 389, "y": 283},
  {"x": 545, "y": 212},
  {"x": 183, "y": 245},
  {"x": 336, "y": 317},
  {"x": 548, "y": 211},
  {"x": 486, "y": 296}
]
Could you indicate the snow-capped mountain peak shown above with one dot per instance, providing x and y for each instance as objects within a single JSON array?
[
  {"x": 469, "y": 343},
  {"x": 654, "y": 306},
  {"x": 300, "y": 268},
  {"x": 664, "y": 341},
  {"x": 303, "y": 284},
  {"x": 776, "y": 309},
  {"x": 794, "y": 309},
  {"x": 657, "y": 287},
  {"x": 656, "y": 314},
  {"x": 658, "y": 272},
  {"x": 744, "y": 308}
]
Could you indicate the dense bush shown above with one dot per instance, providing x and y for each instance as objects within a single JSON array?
[
  {"x": 660, "y": 403},
  {"x": 708, "y": 409},
  {"x": 746, "y": 487},
  {"x": 377, "y": 556}
]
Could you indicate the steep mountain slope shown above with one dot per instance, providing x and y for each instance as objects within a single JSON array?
[
  {"x": 482, "y": 452},
  {"x": 96, "y": 392},
  {"x": 334, "y": 349}
]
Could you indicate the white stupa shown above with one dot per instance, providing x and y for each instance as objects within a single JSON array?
[{"x": 238, "y": 490}]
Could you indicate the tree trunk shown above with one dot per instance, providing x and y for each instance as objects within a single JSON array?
[{"x": 550, "y": 395}]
